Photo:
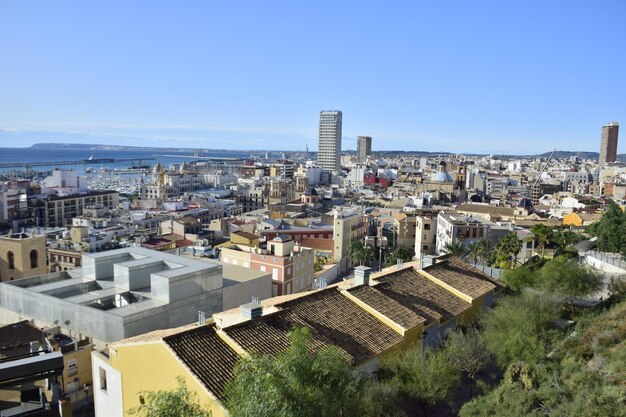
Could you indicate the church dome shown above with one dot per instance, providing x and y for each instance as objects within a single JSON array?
[
  {"x": 441, "y": 175},
  {"x": 157, "y": 168}
]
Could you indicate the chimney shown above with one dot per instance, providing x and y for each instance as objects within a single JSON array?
[
  {"x": 321, "y": 284},
  {"x": 429, "y": 260},
  {"x": 252, "y": 310},
  {"x": 201, "y": 318},
  {"x": 362, "y": 275}
]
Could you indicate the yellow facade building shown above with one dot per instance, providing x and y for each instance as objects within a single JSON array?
[{"x": 366, "y": 318}]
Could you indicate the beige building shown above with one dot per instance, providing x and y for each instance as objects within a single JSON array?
[
  {"x": 348, "y": 225},
  {"x": 404, "y": 229},
  {"x": 61, "y": 209},
  {"x": 22, "y": 256},
  {"x": 290, "y": 264},
  {"x": 425, "y": 234},
  {"x": 63, "y": 259}
]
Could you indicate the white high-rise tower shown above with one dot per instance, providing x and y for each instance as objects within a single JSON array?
[{"x": 329, "y": 149}]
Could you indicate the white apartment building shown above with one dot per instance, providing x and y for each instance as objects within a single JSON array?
[{"x": 329, "y": 150}]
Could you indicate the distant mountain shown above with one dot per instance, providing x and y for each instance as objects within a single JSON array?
[
  {"x": 92, "y": 146},
  {"x": 567, "y": 154},
  {"x": 580, "y": 154},
  {"x": 557, "y": 154}
]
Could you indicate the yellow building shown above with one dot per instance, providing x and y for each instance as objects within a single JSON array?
[
  {"x": 580, "y": 219},
  {"x": 22, "y": 256},
  {"x": 244, "y": 238},
  {"x": 366, "y": 318}
]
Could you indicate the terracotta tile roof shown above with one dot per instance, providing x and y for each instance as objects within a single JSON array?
[
  {"x": 421, "y": 295},
  {"x": 207, "y": 356},
  {"x": 462, "y": 276},
  {"x": 387, "y": 306},
  {"x": 333, "y": 320}
]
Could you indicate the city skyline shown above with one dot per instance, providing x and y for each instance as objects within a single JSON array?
[{"x": 488, "y": 78}]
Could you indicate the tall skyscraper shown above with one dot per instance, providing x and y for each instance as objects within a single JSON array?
[
  {"x": 363, "y": 148},
  {"x": 329, "y": 149},
  {"x": 608, "y": 145}
]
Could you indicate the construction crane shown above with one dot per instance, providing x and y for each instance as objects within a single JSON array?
[{"x": 544, "y": 168}]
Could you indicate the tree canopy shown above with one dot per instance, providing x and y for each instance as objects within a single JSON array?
[
  {"x": 521, "y": 328},
  {"x": 611, "y": 230},
  {"x": 179, "y": 402},
  {"x": 506, "y": 250},
  {"x": 455, "y": 248},
  {"x": 569, "y": 278},
  {"x": 403, "y": 252},
  {"x": 425, "y": 375},
  {"x": 298, "y": 382}
]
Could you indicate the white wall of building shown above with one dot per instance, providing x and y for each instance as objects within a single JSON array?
[{"x": 107, "y": 402}]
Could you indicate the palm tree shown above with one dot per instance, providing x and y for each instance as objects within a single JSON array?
[
  {"x": 508, "y": 247},
  {"x": 543, "y": 234},
  {"x": 474, "y": 249},
  {"x": 356, "y": 249},
  {"x": 455, "y": 248},
  {"x": 368, "y": 255},
  {"x": 484, "y": 249}
]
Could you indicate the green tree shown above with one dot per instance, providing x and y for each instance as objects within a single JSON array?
[
  {"x": 507, "y": 249},
  {"x": 467, "y": 352},
  {"x": 404, "y": 253},
  {"x": 611, "y": 230},
  {"x": 564, "y": 237},
  {"x": 356, "y": 248},
  {"x": 521, "y": 328},
  {"x": 473, "y": 250},
  {"x": 424, "y": 375},
  {"x": 455, "y": 248},
  {"x": 300, "y": 382},
  {"x": 569, "y": 278},
  {"x": 179, "y": 402},
  {"x": 543, "y": 234},
  {"x": 520, "y": 278},
  {"x": 368, "y": 255}
]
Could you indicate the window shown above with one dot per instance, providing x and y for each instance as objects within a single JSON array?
[
  {"x": 427, "y": 226},
  {"x": 11, "y": 260},
  {"x": 103, "y": 379},
  {"x": 263, "y": 269},
  {"x": 275, "y": 274},
  {"x": 33, "y": 259}
]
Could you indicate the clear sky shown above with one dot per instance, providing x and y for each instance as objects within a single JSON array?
[{"x": 458, "y": 76}]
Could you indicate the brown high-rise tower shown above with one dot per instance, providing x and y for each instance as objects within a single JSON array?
[{"x": 608, "y": 145}]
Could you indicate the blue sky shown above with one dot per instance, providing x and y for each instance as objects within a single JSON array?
[{"x": 459, "y": 76}]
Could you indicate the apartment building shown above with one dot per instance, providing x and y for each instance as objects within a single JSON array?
[{"x": 290, "y": 264}]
